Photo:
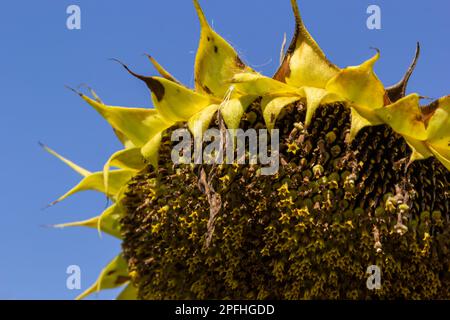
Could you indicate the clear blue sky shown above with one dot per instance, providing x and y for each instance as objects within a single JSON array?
[{"x": 39, "y": 56}]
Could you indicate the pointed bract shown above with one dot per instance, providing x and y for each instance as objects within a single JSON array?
[
  {"x": 259, "y": 85},
  {"x": 438, "y": 131},
  {"x": 305, "y": 64},
  {"x": 72, "y": 165},
  {"x": 114, "y": 275},
  {"x": 150, "y": 151},
  {"x": 420, "y": 150},
  {"x": 314, "y": 98},
  {"x": 130, "y": 159},
  {"x": 442, "y": 154},
  {"x": 398, "y": 90},
  {"x": 363, "y": 91},
  {"x": 173, "y": 101},
  {"x": 216, "y": 62},
  {"x": 95, "y": 182},
  {"x": 138, "y": 125},
  {"x": 358, "y": 122},
  {"x": 405, "y": 117},
  {"x": 272, "y": 107},
  {"x": 234, "y": 109},
  {"x": 107, "y": 222},
  {"x": 438, "y": 125},
  {"x": 359, "y": 85},
  {"x": 127, "y": 143},
  {"x": 163, "y": 72},
  {"x": 199, "y": 122}
]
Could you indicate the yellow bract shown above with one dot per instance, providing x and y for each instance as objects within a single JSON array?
[
  {"x": 163, "y": 72},
  {"x": 72, "y": 165},
  {"x": 438, "y": 130},
  {"x": 427, "y": 134},
  {"x": 199, "y": 123},
  {"x": 358, "y": 121},
  {"x": 443, "y": 155},
  {"x": 420, "y": 150},
  {"x": 359, "y": 85},
  {"x": 314, "y": 98},
  {"x": 216, "y": 61},
  {"x": 216, "y": 64},
  {"x": 95, "y": 182},
  {"x": 107, "y": 222},
  {"x": 127, "y": 143},
  {"x": 138, "y": 125},
  {"x": 233, "y": 110},
  {"x": 363, "y": 92},
  {"x": 405, "y": 117},
  {"x": 173, "y": 101},
  {"x": 150, "y": 150},
  {"x": 258, "y": 85},
  {"x": 272, "y": 107},
  {"x": 114, "y": 275},
  {"x": 305, "y": 64},
  {"x": 177, "y": 103},
  {"x": 131, "y": 159}
]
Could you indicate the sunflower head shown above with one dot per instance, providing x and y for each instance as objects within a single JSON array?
[{"x": 350, "y": 147}]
